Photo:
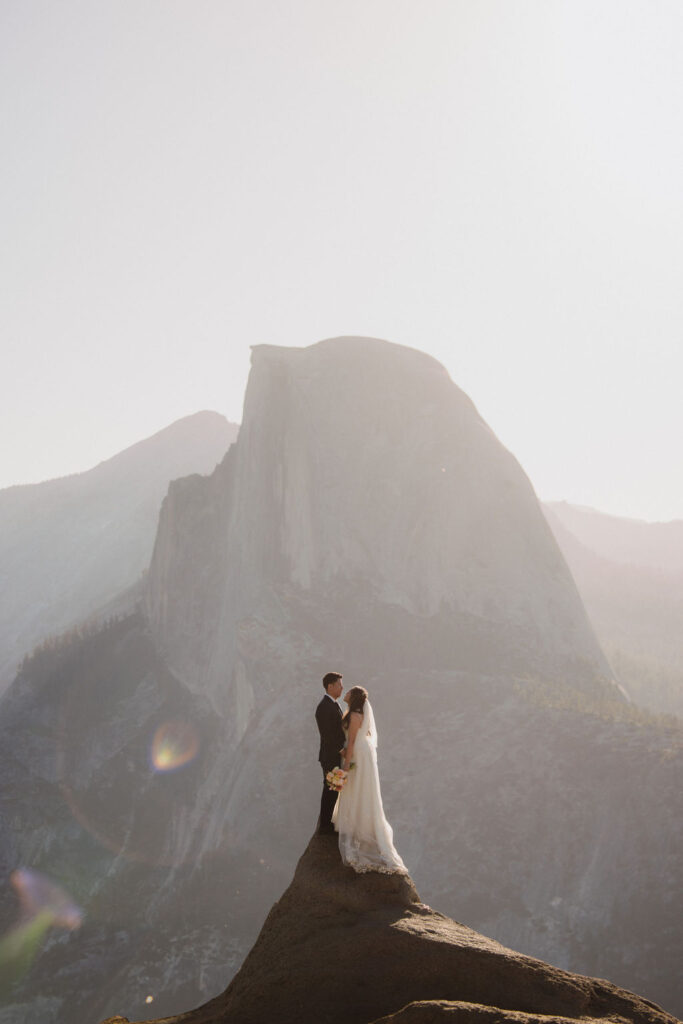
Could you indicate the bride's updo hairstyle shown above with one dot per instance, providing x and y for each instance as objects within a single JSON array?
[{"x": 357, "y": 698}]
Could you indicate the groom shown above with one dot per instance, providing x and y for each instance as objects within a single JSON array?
[{"x": 328, "y": 715}]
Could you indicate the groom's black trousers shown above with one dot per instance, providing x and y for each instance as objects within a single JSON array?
[{"x": 328, "y": 798}]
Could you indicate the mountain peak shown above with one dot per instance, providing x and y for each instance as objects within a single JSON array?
[
  {"x": 361, "y": 468},
  {"x": 355, "y": 347}
]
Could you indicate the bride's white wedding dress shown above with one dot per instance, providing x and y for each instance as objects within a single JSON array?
[{"x": 365, "y": 836}]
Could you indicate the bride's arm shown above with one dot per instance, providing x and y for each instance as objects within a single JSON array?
[{"x": 354, "y": 726}]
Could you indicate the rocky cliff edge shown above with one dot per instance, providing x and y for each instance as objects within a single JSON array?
[{"x": 344, "y": 948}]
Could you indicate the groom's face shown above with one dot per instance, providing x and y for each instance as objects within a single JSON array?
[{"x": 335, "y": 689}]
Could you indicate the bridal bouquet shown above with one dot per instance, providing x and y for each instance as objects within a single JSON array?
[{"x": 336, "y": 779}]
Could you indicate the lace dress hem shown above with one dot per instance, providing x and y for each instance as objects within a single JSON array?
[{"x": 362, "y": 869}]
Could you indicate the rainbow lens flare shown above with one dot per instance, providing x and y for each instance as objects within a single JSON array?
[
  {"x": 174, "y": 745},
  {"x": 38, "y": 894},
  {"x": 42, "y": 905}
]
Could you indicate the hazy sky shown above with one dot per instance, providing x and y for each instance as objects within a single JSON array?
[{"x": 498, "y": 183}]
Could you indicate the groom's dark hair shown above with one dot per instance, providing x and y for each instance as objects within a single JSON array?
[{"x": 330, "y": 678}]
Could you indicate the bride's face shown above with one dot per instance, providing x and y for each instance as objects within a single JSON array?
[{"x": 347, "y": 695}]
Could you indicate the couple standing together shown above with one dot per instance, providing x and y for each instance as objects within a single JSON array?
[{"x": 356, "y": 813}]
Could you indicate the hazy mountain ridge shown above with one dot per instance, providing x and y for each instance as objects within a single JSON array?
[
  {"x": 459, "y": 613},
  {"x": 635, "y": 603},
  {"x": 650, "y": 545},
  {"x": 71, "y": 544}
]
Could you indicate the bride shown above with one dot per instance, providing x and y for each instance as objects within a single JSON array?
[{"x": 365, "y": 835}]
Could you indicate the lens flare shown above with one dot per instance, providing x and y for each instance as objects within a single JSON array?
[
  {"x": 38, "y": 894},
  {"x": 42, "y": 905},
  {"x": 174, "y": 744},
  {"x": 134, "y": 818}
]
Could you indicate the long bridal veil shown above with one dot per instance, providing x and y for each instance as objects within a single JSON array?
[
  {"x": 369, "y": 725},
  {"x": 366, "y": 839}
]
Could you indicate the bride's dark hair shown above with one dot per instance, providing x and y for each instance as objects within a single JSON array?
[{"x": 357, "y": 698}]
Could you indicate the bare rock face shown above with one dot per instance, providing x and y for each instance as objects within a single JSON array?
[
  {"x": 342, "y": 948},
  {"x": 362, "y": 469}
]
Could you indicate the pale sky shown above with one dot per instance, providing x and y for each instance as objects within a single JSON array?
[{"x": 497, "y": 183}]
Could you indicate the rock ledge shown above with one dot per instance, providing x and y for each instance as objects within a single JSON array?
[{"x": 343, "y": 948}]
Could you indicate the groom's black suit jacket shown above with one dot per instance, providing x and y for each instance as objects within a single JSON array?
[{"x": 328, "y": 715}]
